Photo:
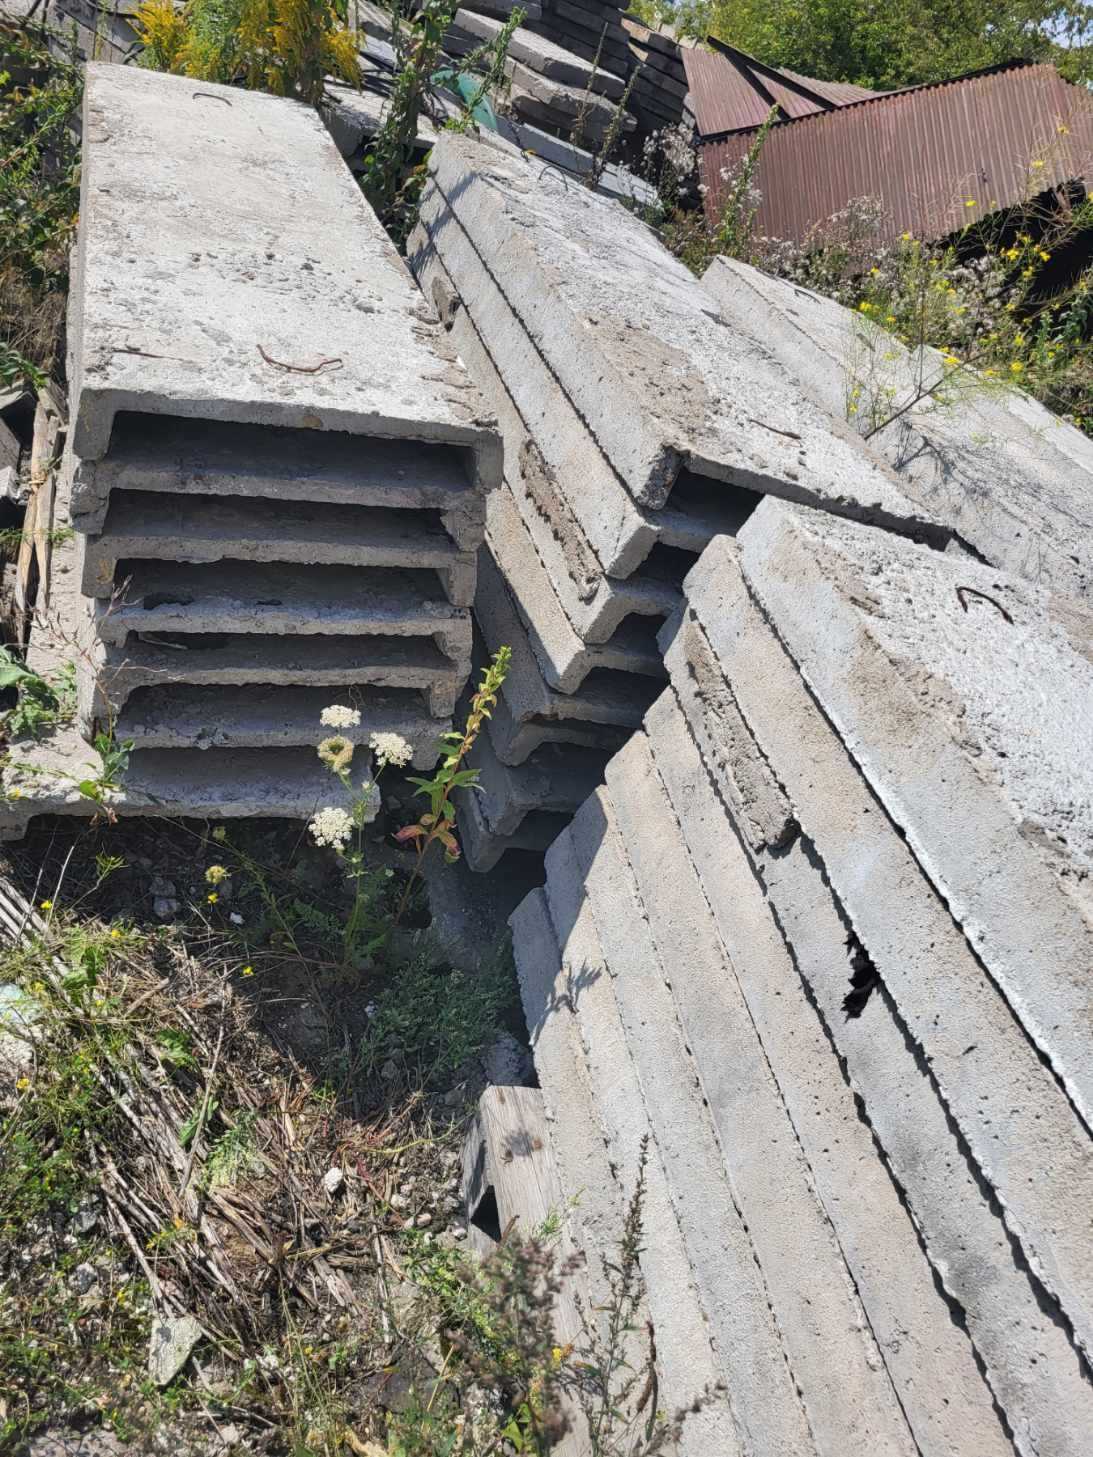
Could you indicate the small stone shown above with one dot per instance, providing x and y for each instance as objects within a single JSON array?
[
  {"x": 165, "y": 907},
  {"x": 172, "y": 1344},
  {"x": 231, "y": 1436},
  {"x": 508, "y": 1063},
  {"x": 333, "y": 1180},
  {"x": 423, "y": 1221},
  {"x": 85, "y": 1218},
  {"x": 83, "y": 1277},
  {"x": 458, "y": 1231},
  {"x": 159, "y": 886},
  {"x": 399, "y": 1201}
]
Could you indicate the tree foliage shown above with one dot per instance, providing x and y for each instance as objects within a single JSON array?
[{"x": 899, "y": 43}]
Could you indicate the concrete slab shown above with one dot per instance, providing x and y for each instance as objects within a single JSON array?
[
  {"x": 929, "y": 1358},
  {"x": 557, "y": 779},
  {"x": 835, "y": 1360},
  {"x": 565, "y": 661},
  {"x": 244, "y": 277},
  {"x": 146, "y": 526},
  {"x": 482, "y": 848},
  {"x": 593, "y": 1204},
  {"x": 687, "y": 1360},
  {"x": 981, "y": 754},
  {"x": 106, "y": 676},
  {"x": 638, "y": 346},
  {"x": 253, "y": 597},
  {"x": 534, "y": 51},
  {"x": 185, "y": 716},
  {"x": 606, "y": 698},
  {"x": 596, "y": 522},
  {"x": 41, "y": 778},
  {"x": 212, "y": 458},
  {"x": 1025, "y": 1137},
  {"x": 1014, "y": 480},
  {"x": 724, "y": 1268},
  {"x": 548, "y": 102}
]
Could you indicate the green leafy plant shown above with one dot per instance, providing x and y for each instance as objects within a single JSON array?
[
  {"x": 39, "y": 199},
  {"x": 113, "y": 762},
  {"x": 42, "y": 702},
  {"x": 437, "y": 824}
]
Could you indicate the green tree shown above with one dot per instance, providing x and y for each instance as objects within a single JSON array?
[{"x": 898, "y": 43}]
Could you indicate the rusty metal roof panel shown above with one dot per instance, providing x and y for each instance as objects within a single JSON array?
[
  {"x": 936, "y": 157},
  {"x": 731, "y": 91}
]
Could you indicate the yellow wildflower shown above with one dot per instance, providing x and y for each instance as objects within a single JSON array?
[
  {"x": 22, "y": 1084},
  {"x": 865, "y": 306},
  {"x": 1043, "y": 255},
  {"x": 906, "y": 237},
  {"x": 212, "y": 897},
  {"x": 950, "y": 359},
  {"x": 1018, "y": 340},
  {"x": 16, "y": 794},
  {"x": 216, "y": 875},
  {"x": 115, "y": 934},
  {"x": 1064, "y": 131},
  {"x": 1037, "y": 164},
  {"x": 1016, "y": 366},
  {"x": 46, "y": 905},
  {"x": 875, "y": 272},
  {"x": 988, "y": 372},
  {"x": 248, "y": 971},
  {"x": 970, "y": 202},
  {"x": 1012, "y": 253}
]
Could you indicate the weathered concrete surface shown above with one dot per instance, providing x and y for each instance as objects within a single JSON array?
[
  {"x": 107, "y": 675},
  {"x": 606, "y": 698},
  {"x": 968, "y": 708},
  {"x": 151, "y": 527},
  {"x": 564, "y": 660},
  {"x": 550, "y": 103},
  {"x": 845, "y": 1387},
  {"x": 930, "y": 1359},
  {"x": 593, "y": 1204},
  {"x": 687, "y": 1359},
  {"x": 557, "y": 780},
  {"x": 594, "y": 603},
  {"x": 482, "y": 849},
  {"x": 620, "y": 532},
  {"x": 917, "y": 1188},
  {"x": 183, "y": 716},
  {"x": 639, "y": 348},
  {"x": 211, "y": 458},
  {"x": 218, "y": 227},
  {"x": 469, "y": 31},
  {"x": 1021, "y": 1130},
  {"x": 1013, "y": 479},
  {"x": 179, "y": 598}
]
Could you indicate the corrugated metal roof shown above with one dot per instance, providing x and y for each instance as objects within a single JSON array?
[
  {"x": 731, "y": 91},
  {"x": 992, "y": 139}
]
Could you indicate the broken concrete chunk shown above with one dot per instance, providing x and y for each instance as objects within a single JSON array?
[{"x": 174, "y": 1339}]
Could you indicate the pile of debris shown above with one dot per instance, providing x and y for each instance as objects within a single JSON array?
[
  {"x": 276, "y": 467},
  {"x": 636, "y": 428},
  {"x": 823, "y": 938}
]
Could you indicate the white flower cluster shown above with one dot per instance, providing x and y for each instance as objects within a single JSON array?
[
  {"x": 332, "y": 826},
  {"x": 338, "y": 716},
  {"x": 391, "y": 749}
]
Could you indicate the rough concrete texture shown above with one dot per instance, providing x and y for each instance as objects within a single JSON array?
[
  {"x": 148, "y": 526},
  {"x": 618, "y": 531},
  {"x": 687, "y": 1361},
  {"x": 1025, "y": 1137},
  {"x": 1014, "y": 480},
  {"x": 184, "y": 716},
  {"x": 220, "y": 231},
  {"x": 594, "y": 603},
  {"x": 42, "y": 778},
  {"x": 968, "y": 707},
  {"x": 557, "y": 779},
  {"x": 639, "y": 347},
  {"x": 564, "y": 660},
  {"x": 929, "y": 1358},
  {"x": 180, "y": 598},
  {"x": 106, "y": 675},
  {"x": 548, "y": 102},
  {"x": 919, "y": 1161},
  {"x": 211, "y": 458},
  {"x": 535, "y": 51},
  {"x": 845, "y": 1387},
  {"x": 614, "y": 699},
  {"x": 482, "y": 848}
]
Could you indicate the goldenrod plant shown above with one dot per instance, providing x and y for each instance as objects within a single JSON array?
[{"x": 285, "y": 47}]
